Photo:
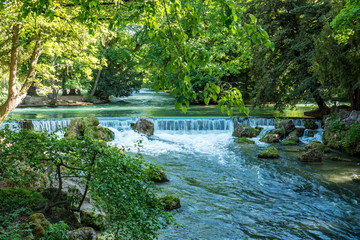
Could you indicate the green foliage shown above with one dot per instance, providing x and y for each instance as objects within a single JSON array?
[
  {"x": 337, "y": 126},
  {"x": 117, "y": 183},
  {"x": 17, "y": 204},
  {"x": 352, "y": 139},
  {"x": 121, "y": 76},
  {"x": 283, "y": 77},
  {"x": 57, "y": 231},
  {"x": 347, "y": 22}
]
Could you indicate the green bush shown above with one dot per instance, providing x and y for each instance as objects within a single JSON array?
[
  {"x": 57, "y": 231},
  {"x": 352, "y": 138},
  {"x": 337, "y": 126},
  {"x": 116, "y": 182},
  {"x": 15, "y": 205}
]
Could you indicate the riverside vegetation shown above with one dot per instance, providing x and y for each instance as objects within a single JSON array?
[{"x": 37, "y": 166}]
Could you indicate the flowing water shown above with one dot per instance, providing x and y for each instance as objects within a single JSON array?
[{"x": 226, "y": 191}]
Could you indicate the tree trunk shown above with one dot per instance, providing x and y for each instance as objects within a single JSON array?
[
  {"x": 319, "y": 100},
  {"x": 63, "y": 82},
  {"x": 32, "y": 91},
  {"x": 15, "y": 97},
  {"x": 99, "y": 72},
  {"x": 355, "y": 99},
  {"x": 72, "y": 92}
]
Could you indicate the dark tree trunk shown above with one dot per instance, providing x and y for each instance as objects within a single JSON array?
[
  {"x": 79, "y": 92},
  {"x": 32, "y": 91},
  {"x": 72, "y": 92},
  {"x": 54, "y": 97},
  {"x": 355, "y": 99},
  {"x": 319, "y": 101},
  {"x": 99, "y": 72},
  {"x": 63, "y": 82}
]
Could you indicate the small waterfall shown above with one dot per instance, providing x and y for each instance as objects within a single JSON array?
[
  {"x": 50, "y": 125},
  {"x": 262, "y": 122},
  {"x": 193, "y": 125}
]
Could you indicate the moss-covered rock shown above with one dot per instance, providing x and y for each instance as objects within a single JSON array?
[
  {"x": 270, "y": 152},
  {"x": 244, "y": 140},
  {"x": 270, "y": 138},
  {"x": 99, "y": 133},
  {"x": 312, "y": 155},
  {"x": 84, "y": 233},
  {"x": 170, "y": 202},
  {"x": 310, "y": 133},
  {"x": 310, "y": 124},
  {"x": 80, "y": 127},
  {"x": 38, "y": 225},
  {"x": 157, "y": 175},
  {"x": 287, "y": 142},
  {"x": 317, "y": 144},
  {"x": 246, "y": 131},
  {"x": 57, "y": 214},
  {"x": 291, "y": 140},
  {"x": 92, "y": 220}
]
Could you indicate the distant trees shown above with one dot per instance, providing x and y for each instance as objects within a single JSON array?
[{"x": 308, "y": 64}]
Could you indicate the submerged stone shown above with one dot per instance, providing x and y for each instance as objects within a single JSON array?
[
  {"x": 170, "y": 202},
  {"x": 312, "y": 155},
  {"x": 244, "y": 140},
  {"x": 270, "y": 152},
  {"x": 270, "y": 138}
]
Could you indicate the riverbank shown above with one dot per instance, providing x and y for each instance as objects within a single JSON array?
[{"x": 44, "y": 101}]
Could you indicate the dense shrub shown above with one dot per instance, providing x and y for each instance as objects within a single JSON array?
[{"x": 116, "y": 182}]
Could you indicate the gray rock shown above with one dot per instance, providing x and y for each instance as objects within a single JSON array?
[
  {"x": 298, "y": 132},
  {"x": 85, "y": 233},
  {"x": 245, "y": 131},
  {"x": 145, "y": 126},
  {"x": 288, "y": 126},
  {"x": 26, "y": 124},
  {"x": 26, "y": 99},
  {"x": 313, "y": 155}
]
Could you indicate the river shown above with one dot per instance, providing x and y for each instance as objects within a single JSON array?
[{"x": 226, "y": 191}]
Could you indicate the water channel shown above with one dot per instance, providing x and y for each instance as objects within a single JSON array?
[{"x": 226, "y": 191}]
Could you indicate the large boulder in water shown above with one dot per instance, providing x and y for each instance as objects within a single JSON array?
[
  {"x": 312, "y": 155},
  {"x": 80, "y": 127},
  {"x": 288, "y": 126},
  {"x": 26, "y": 124},
  {"x": 298, "y": 132},
  {"x": 270, "y": 138},
  {"x": 245, "y": 131},
  {"x": 310, "y": 124},
  {"x": 145, "y": 126}
]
